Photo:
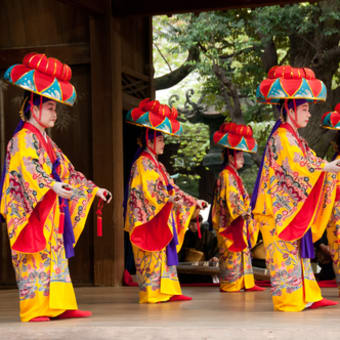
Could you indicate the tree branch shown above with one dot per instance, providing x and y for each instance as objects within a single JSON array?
[
  {"x": 162, "y": 56},
  {"x": 229, "y": 92},
  {"x": 333, "y": 53},
  {"x": 327, "y": 57},
  {"x": 269, "y": 55},
  {"x": 174, "y": 77},
  {"x": 237, "y": 53}
]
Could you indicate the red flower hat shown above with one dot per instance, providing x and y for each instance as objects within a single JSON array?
[
  {"x": 287, "y": 82},
  {"x": 331, "y": 120},
  {"x": 153, "y": 115},
  {"x": 47, "y": 77},
  {"x": 236, "y": 136}
]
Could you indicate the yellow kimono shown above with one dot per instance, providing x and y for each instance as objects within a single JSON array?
[
  {"x": 234, "y": 233},
  {"x": 333, "y": 232},
  {"x": 294, "y": 195},
  {"x": 152, "y": 222},
  {"x": 32, "y": 213}
]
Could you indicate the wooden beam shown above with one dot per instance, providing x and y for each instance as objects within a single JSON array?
[
  {"x": 129, "y": 102},
  {"x": 153, "y": 7},
  {"x": 71, "y": 54},
  {"x": 92, "y": 7},
  {"x": 107, "y": 133}
]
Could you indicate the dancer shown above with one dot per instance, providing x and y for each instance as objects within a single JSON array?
[
  {"x": 294, "y": 193},
  {"x": 44, "y": 200},
  {"x": 331, "y": 120},
  {"x": 231, "y": 211},
  {"x": 157, "y": 212}
]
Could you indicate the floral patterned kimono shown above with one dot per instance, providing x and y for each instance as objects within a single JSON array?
[
  {"x": 235, "y": 234},
  {"x": 333, "y": 232},
  {"x": 32, "y": 212},
  {"x": 295, "y": 198},
  {"x": 153, "y": 224}
]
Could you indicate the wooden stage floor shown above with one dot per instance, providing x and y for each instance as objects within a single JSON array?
[{"x": 210, "y": 315}]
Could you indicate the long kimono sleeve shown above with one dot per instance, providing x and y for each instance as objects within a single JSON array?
[
  {"x": 333, "y": 227},
  {"x": 182, "y": 213},
  {"x": 84, "y": 192},
  {"x": 228, "y": 215},
  {"x": 148, "y": 207},
  {"x": 27, "y": 196},
  {"x": 294, "y": 190}
]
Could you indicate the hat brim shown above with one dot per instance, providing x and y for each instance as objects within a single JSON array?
[
  {"x": 238, "y": 149},
  {"x": 153, "y": 128},
  {"x": 40, "y": 94},
  {"x": 330, "y": 128}
]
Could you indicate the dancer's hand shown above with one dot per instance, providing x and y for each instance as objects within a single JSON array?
[
  {"x": 104, "y": 194},
  {"x": 201, "y": 204},
  {"x": 175, "y": 199},
  {"x": 246, "y": 217},
  {"x": 62, "y": 189},
  {"x": 333, "y": 166}
]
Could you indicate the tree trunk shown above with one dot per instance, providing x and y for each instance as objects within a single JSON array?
[{"x": 172, "y": 78}]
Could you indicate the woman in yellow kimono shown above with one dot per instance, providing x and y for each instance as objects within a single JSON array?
[
  {"x": 331, "y": 120},
  {"x": 231, "y": 212},
  {"x": 294, "y": 194},
  {"x": 44, "y": 200},
  {"x": 157, "y": 212}
]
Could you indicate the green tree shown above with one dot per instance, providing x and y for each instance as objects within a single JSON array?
[{"x": 237, "y": 48}]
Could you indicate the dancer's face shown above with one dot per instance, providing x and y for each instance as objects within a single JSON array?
[
  {"x": 48, "y": 113},
  {"x": 238, "y": 161},
  {"x": 303, "y": 115},
  {"x": 159, "y": 145}
]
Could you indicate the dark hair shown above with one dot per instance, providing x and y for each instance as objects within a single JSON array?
[
  {"x": 37, "y": 99},
  {"x": 151, "y": 135},
  {"x": 226, "y": 152},
  {"x": 337, "y": 141},
  {"x": 290, "y": 104}
]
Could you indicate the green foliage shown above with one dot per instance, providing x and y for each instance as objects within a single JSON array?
[
  {"x": 261, "y": 131},
  {"x": 188, "y": 183},
  {"x": 237, "y": 41},
  {"x": 248, "y": 176},
  {"x": 194, "y": 144},
  {"x": 167, "y": 58}
]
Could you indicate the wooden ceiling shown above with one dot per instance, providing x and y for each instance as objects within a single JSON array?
[
  {"x": 120, "y": 8},
  {"x": 156, "y": 7}
]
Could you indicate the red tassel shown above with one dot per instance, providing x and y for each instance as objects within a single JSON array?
[
  {"x": 62, "y": 217},
  {"x": 154, "y": 141},
  {"x": 147, "y": 137},
  {"x": 99, "y": 226},
  {"x": 61, "y": 223},
  {"x": 99, "y": 213},
  {"x": 198, "y": 227},
  {"x": 40, "y": 108}
]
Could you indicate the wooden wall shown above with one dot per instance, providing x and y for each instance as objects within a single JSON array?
[{"x": 111, "y": 60}]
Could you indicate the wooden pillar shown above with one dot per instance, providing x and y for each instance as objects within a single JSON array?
[
  {"x": 107, "y": 134},
  {"x": 150, "y": 69},
  {"x": 6, "y": 272}
]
